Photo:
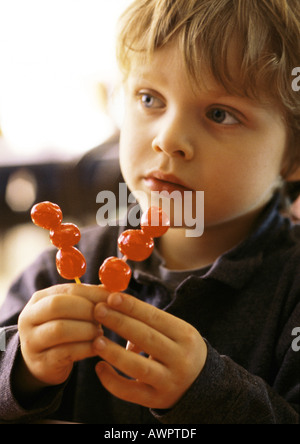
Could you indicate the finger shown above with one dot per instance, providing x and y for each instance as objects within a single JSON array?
[
  {"x": 133, "y": 365},
  {"x": 144, "y": 337},
  {"x": 61, "y": 306},
  {"x": 53, "y": 333},
  {"x": 128, "y": 390},
  {"x": 93, "y": 293},
  {"x": 70, "y": 353},
  {"x": 54, "y": 366},
  {"x": 159, "y": 320}
]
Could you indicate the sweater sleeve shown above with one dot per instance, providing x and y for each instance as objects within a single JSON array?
[
  {"x": 41, "y": 274},
  {"x": 35, "y": 278},
  {"x": 11, "y": 411},
  {"x": 255, "y": 380},
  {"x": 226, "y": 393}
]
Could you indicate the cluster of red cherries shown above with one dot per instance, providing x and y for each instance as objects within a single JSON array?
[
  {"x": 114, "y": 273},
  {"x": 70, "y": 262}
]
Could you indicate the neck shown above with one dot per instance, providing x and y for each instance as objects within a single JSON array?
[{"x": 186, "y": 253}]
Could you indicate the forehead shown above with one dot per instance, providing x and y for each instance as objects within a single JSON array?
[
  {"x": 169, "y": 61},
  {"x": 167, "y": 65},
  {"x": 166, "y": 73}
]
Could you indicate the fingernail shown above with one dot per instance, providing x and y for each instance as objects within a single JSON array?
[
  {"x": 100, "y": 344},
  {"x": 116, "y": 299},
  {"x": 101, "y": 311},
  {"x": 100, "y": 330},
  {"x": 99, "y": 369}
]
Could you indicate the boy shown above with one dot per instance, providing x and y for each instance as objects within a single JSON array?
[{"x": 209, "y": 106}]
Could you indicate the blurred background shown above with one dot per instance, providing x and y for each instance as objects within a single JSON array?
[{"x": 60, "y": 111}]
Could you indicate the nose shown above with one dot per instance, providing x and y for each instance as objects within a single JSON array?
[{"x": 174, "y": 140}]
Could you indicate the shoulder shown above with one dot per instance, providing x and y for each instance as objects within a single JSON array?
[
  {"x": 281, "y": 252},
  {"x": 282, "y": 263},
  {"x": 287, "y": 241},
  {"x": 290, "y": 258},
  {"x": 294, "y": 232}
]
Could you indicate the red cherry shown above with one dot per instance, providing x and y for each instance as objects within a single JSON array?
[
  {"x": 115, "y": 274},
  {"x": 46, "y": 215},
  {"x": 70, "y": 263},
  {"x": 155, "y": 222},
  {"x": 135, "y": 245},
  {"x": 66, "y": 235}
]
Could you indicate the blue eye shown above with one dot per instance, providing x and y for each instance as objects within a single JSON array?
[
  {"x": 147, "y": 100},
  {"x": 222, "y": 116},
  {"x": 150, "y": 101}
]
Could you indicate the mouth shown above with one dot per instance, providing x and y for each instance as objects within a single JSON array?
[{"x": 158, "y": 181}]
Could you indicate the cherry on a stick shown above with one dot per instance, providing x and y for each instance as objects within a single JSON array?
[
  {"x": 115, "y": 274},
  {"x": 155, "y": 222},
  {"x": 70, "y": 263},
  {"x": 46, "y": 215},
  {"x": 66, "y": 235},
  {"x": 135, "y": 245}
]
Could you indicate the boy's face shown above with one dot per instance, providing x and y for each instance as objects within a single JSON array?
[{"x": 177, "y": 138}]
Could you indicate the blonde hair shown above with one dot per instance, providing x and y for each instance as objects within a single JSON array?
[{"x": 267, "y": 33}]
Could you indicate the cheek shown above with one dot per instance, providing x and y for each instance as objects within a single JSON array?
[
  {"x": 126, "y": 149},
  {"x": 130, "y": 155},
  {"x": 250, "y": 179},
  {"x": 125, "y": 156},
  {"x": 239, "y": 186}
]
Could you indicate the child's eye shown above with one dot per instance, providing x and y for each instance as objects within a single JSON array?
[
  {"x": 222, "y": 116},
  {"x": 149, "y": 101}
]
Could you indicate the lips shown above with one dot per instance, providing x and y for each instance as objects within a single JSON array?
[{"x": 158, "y": 181}]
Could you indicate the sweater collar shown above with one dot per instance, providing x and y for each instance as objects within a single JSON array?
[{"x": 236, "y": 267}]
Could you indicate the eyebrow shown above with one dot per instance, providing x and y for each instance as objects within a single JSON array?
[
  {"x": 149, "y": 76},
  {"x": 218, "y": 91},
  {"x": 162, "y": 80}
]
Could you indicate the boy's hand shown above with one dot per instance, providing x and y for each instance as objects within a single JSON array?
[
  {"x": 57, "y": 328},
  {"x": 177, "y": 353}
]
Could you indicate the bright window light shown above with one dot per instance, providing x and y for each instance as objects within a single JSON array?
[{"x": 57, "y": 56}]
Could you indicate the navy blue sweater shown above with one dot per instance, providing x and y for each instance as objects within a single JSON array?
[{"x": 246, "y": 306}]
